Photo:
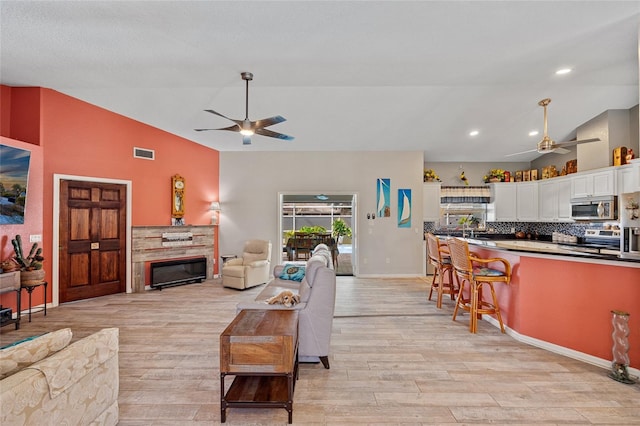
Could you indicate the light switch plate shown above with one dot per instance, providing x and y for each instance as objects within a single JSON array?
[{"x": 36, "y": 238}]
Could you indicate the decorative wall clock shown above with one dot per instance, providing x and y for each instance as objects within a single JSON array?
[{"x": 177, "y": 193}]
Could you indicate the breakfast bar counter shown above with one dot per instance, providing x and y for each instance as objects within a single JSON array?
[{"x": 563, "y": 301}]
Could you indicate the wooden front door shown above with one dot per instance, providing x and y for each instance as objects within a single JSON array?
[{"x": 92, "y": 239}]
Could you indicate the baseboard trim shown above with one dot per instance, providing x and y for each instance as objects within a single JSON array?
[{"x": 560, "y": 350}]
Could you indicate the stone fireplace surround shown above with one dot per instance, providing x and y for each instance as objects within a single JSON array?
[{"x": 148, "y": 245}]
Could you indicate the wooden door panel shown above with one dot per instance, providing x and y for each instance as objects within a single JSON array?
[
  {"x": 79, "y": 269},
  {"x": 92, "y": 239}
]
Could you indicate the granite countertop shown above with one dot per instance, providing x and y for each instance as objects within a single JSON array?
[{"x": 543, "y": 247}]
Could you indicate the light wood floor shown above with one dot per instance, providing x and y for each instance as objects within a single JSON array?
[{"x": 395, "y": 359}]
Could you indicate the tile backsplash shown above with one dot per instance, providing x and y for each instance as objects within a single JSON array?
[{"x": 542, "y": 228}]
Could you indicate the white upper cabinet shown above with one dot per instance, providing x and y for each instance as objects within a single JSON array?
[
  {"x": 593, "y": 184},
  {"x": 554, "y": 200},
  {"x": 431, "y": 202},
  {"x": 503, "y": 206},
  {"x": 628, "y": 178},
  {"x": 527, "y": 201}
]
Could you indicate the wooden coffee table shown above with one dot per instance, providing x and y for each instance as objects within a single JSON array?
[{"x": 259, "y": 348}]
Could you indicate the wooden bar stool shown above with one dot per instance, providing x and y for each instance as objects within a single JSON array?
[
  {"x": 471, "y": 271},
  {"x": 438, "y": 256}
]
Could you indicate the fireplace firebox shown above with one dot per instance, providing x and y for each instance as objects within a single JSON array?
[{"x": 178, "y": 272}]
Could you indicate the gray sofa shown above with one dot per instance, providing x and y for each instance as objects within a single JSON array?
[{"x": 317, "y": 292}]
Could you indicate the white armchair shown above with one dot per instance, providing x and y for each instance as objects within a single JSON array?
[{"x": 251, "y": 269}]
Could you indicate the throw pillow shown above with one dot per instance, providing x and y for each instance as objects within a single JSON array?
[
  {"x": 292, "y": 272},
  {"x": 22, "y": 355}
]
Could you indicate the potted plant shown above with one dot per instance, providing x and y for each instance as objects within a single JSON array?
[
  {"x": 340, "y": 230},
  {"x": 430, "y": 176},
  {"x": 495, "y": 175},
  {"x": 31, "y": 271}
]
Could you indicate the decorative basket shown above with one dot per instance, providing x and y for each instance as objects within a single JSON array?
[{"x": 34, "y": 277}]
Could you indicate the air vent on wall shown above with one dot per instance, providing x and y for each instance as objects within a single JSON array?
[{"x": 146, "y": 154}]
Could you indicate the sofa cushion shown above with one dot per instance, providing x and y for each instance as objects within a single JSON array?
[
  {"x": 22, "y": 355},
  {"x": 292, "y": 272}
]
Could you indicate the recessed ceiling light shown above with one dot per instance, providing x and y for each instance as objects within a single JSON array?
[
  {"x": 474, "y": 133},
  {"x": 533, "y": 133},
  {"x": 562, "y": 71}
]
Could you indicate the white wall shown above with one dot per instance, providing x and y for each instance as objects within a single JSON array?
[{"x": 250, "y": 183}]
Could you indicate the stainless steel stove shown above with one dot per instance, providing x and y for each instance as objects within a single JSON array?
[
  {"x": 597, "y": 241},
  {"x": 607, "y": 240}
]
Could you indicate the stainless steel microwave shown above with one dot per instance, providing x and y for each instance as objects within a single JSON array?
[{"x": 594, "y": 208}]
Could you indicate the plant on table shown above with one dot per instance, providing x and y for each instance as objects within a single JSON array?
[{"x": 31, "y": 262}]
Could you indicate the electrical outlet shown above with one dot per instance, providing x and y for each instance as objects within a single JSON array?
[
  {"x": 388, "y": 260},
  {"x": 35, "y": 238},
  {"x": 513, "y": 230},
  {"x": 366, "y": 260}
]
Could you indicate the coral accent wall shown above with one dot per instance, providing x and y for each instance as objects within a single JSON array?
[{"x": 80, "y": 139}]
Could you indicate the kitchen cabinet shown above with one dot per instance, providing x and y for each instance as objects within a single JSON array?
[
  {"x": 554, "y": 200},
  {"x": 503, "y": 206},
  {"x": 513, "y": 202},
  {"x": 527, "y": 201},
  {"x": 430, "y": 202},
  {"x": 593, "y": 184},
  {"x": 628, "y": 178}
]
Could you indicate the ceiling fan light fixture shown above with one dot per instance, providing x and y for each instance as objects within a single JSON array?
[{"x": 246, "y": 132}]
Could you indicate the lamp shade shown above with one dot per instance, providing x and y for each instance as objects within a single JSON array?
[{"x": 215, "y": 206}]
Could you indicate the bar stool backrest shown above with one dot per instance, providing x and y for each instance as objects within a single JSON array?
[
  {"x": 459, "y": 250},
  {"x": 433, "y": 249}
]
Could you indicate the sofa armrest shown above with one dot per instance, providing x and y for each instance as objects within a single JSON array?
[
  {"x": 65, "y": 368},
  {"x": 233, "y": 262},
  {"x": 267, "y": 307},
  {"x": 257, "y": 263}
]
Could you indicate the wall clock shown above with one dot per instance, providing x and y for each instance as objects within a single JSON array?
[{"x": 177, "y": 194}]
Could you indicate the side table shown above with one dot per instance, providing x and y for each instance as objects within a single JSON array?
[
  {"x": 226, "y": 257},
  {"x": 30, "y": 288},
  {"x": 259, "y": 348}
]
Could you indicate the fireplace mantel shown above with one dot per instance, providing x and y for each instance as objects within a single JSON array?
[{"x": 153, "y": 243}]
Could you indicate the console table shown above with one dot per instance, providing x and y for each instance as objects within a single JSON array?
[
  {"x": 10, "y": 281},
  {"x": 259, "y": 348}
]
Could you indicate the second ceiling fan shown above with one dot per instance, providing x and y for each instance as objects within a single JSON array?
[
  {"x": 246, "y": 127},
  {"x": 547, "y": 145}
]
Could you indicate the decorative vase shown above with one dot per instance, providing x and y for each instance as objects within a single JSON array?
[
  {"x": 34, "y": 277},
  {"x": 495, "y": 179},
  {"x": 620, "y": 335},
  {"x": 428, "y": 179}
]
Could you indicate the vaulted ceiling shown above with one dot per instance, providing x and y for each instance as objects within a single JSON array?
[{"x": 347, "y": 75}]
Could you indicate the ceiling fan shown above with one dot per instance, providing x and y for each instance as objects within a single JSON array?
[
  {"x": 547, "y": 145},
  {"x": 246, "y": 127}
]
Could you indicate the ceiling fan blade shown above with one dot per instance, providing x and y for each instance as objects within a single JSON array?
[
  {"x": 234, "y": 128},
  {"x": 272, "y": 134},
  {"x": 522, "y": 152},
  {"x": 573, "y": 143},
  {"x": 223, "y": 116},
  {"x": 266, "y": 122},
  {"x": 246, "y": 140},
  {"x": 560, "y": 150}
]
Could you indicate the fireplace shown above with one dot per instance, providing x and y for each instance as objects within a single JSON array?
[{"x": 178, "y": 272}]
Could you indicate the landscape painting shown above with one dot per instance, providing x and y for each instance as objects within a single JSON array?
[
  {"x": 404, "y": 208},
  {"x": 14, "y": 175}
]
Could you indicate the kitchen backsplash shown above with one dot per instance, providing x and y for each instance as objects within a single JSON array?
[{"x": 542, "y": 228}]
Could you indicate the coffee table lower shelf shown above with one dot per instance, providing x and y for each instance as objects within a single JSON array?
[{"x": 259, "y": 391}]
